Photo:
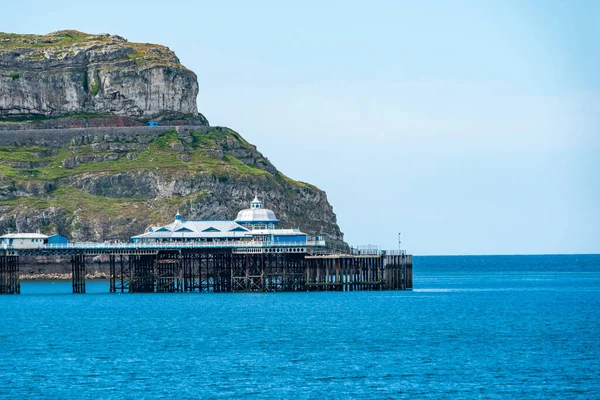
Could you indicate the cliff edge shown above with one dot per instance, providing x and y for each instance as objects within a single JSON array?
[
  {"x": 70, "y": 72},
  {"x": 111, "y": 179},
  {"x": 113, "y": 183}
]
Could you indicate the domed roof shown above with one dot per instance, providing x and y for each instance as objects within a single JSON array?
[{"x": 256, "y": 214}]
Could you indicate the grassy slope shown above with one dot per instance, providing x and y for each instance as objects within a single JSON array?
[
  {"x": 69, "y": 41},
  {"x": 158, "y": 156}
]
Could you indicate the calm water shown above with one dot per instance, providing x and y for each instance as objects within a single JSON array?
[{"x": 474, "y": 327}]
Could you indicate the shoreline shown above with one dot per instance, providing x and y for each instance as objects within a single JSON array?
[{"x": 61, "y": 277}]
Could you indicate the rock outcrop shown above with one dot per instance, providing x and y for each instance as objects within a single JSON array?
[
  {"x": 70, "y": 72},
  {"x": 113, "y": 183},
  {"x": 112, "y": 179}
]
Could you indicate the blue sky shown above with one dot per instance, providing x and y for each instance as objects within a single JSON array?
[{"x": 472, "y": 127}]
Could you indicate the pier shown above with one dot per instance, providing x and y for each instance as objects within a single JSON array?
[
  {"x": 220, "y": 268},
  {"x": 249, "y": 254}
]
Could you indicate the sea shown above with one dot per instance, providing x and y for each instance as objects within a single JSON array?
[{"x": 492, "y": 327}]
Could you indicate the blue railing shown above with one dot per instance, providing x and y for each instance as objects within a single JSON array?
[{"x": 180, "y": 245}]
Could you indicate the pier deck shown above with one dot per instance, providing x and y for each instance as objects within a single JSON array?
[{"x": 221, "y": 267}]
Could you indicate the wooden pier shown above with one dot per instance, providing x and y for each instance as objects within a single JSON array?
[
  {"x": 178, "y": 271},
  {"x": 232, "y": 270},
  {"x": 9, "y": 275}
]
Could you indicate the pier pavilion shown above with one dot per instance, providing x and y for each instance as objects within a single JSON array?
[
  {"x": 252, "y": 225},
  {"x": 249, "y": 253}
]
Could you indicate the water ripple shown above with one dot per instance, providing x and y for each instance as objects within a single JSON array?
[{"x": 468, "y": 330}]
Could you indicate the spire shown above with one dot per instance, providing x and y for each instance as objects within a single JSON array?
[
  {"x": 177, "y": 216},
  {"x": 256, "y": 203}
]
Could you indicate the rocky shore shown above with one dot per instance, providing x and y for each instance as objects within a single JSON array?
[
  {"x": 61, "y": 276},
  {"x": 59, "y": 268}
]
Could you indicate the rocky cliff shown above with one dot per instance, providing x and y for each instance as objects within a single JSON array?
[
  {"x": 69, "y": 72},
  {"x": 112, "y": 183},
  {"x": 103, "y": 182}
]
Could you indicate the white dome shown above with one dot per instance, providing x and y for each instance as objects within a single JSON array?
[{"x": 256, "y": 214}]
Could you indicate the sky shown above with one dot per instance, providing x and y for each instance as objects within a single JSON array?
[{"x": 470, "y": 127}]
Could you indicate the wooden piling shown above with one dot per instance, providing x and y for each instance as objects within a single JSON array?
[
  {"x": 9, "y": 275},
  {"x": 78, "y": 272},
  {"x": 225, "y": 270}
]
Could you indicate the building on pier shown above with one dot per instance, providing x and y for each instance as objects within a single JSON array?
[
  {"x": 57, "y": 239},
  {"x": 249, "y": 253},
  {"x": 23, "y": 240},
  {"x": 257, "y": 217},
  {"x": 254, "y": 224}
]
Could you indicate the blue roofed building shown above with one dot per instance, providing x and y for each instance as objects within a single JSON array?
[
  {"x": 57, "y": 240},
  {"x": 254, "y": 225}
]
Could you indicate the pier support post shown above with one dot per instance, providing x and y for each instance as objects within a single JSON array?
[
  {"x": 78, "y": 272},
  {"x": 9, "y": 275},
  {"x": 120, "y": 273},
  {"x": 168, "y": 271},
  {"x": 409, "y": 273},
  {"x": 142, "y": 273},
  {"x": 112, "y": 273},
  {"x": 391, "y": 271},
  {"x": 189, "y": 276}
]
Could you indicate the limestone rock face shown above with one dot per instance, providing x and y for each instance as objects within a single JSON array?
[
  {"x": 109, "y": 176},
  {"x": 113, "y": 183},
  {"x": 70, "y": 72}
]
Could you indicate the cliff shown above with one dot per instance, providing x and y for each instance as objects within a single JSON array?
[
  {"x": 103, "y": 182},
  {"x": 112, "y": 183},
  {"x": 70, "y": 73}
]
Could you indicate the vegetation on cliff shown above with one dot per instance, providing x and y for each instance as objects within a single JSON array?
[
  {"x": 113, "y": 179},
  {"x": 112, "y": 186},
  {"x": 71, "y": 72},
  {"x": 65, "y": 43}
]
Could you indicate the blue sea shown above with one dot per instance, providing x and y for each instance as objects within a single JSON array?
[{"x": 505, "y": 327}]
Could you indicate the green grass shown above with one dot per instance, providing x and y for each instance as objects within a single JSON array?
[
  {"x": 26, "y": 154},
  {"x": 159, "y": 156},
  {"x": 210, "y": 138},
  {"x": 165, "y": 140},
  {"x": 134, "y": 56},
  {"x": 62, "y": 43},
  {"x": 95, "y": 87},
  {"x": 292, "y": 182},
  {"x": 178, "y": 201},
  {"x": 88, "y": 206},
  {"x": 203, "y": 140},
  {"x": 58, "y": 40},
  {"x": 71, "y": 35},
  {"x": 242, "y": 168},
  {"x": 72, "y": 200}
]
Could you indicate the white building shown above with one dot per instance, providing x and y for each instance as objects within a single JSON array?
[
  {"x": 254, "y": 224},
  {"x": 257, "y": 217},
  {"x": 23, "y": 240}
]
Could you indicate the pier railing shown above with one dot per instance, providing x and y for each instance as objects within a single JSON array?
[
  {"x": 365, "y": 250},
  {"x": 395, "y": 252},
  {"x": 178, "y": 245}
]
